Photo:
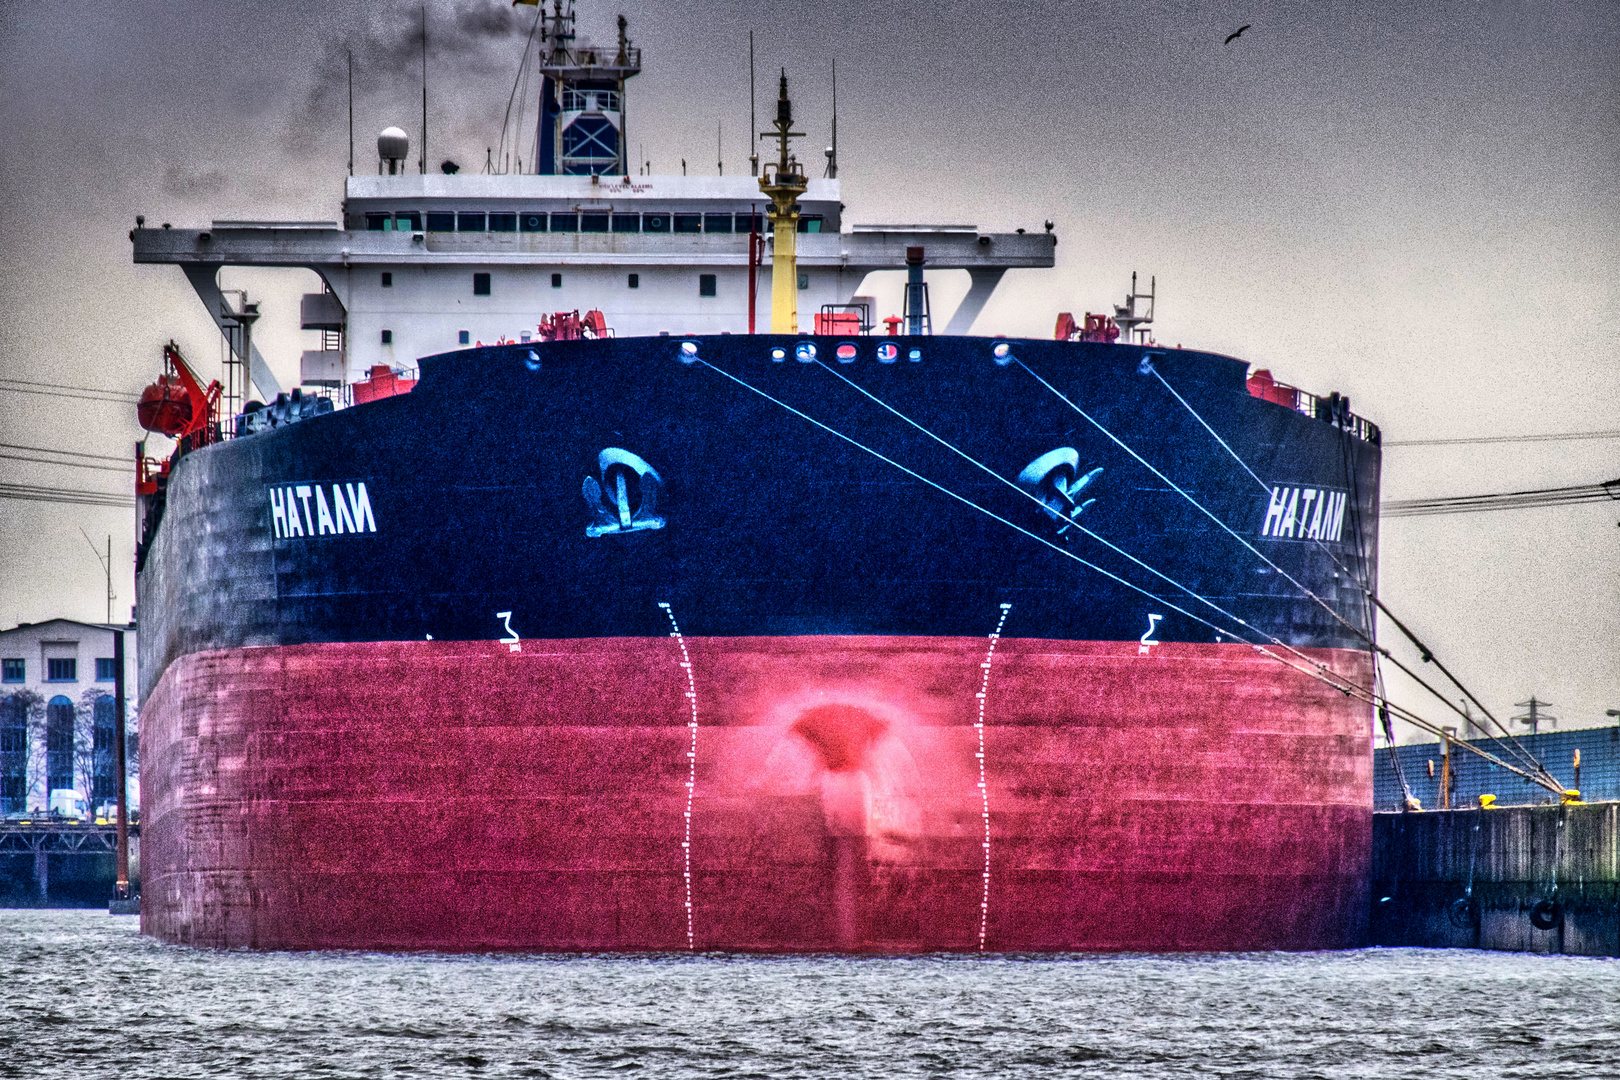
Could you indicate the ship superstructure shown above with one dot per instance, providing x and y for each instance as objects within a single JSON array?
[{"x": 426, "y": 262}]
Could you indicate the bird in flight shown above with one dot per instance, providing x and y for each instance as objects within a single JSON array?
[{"x": 1234, "y": 35}]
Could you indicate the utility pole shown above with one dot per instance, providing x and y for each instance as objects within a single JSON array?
[
  {"x": 106, "y": 565},
  {"x": 123, "y": 903},
  {"x": 1536, "y": 714}
]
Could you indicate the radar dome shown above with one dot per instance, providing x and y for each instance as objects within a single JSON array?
[{"x": 393, "y": 144}]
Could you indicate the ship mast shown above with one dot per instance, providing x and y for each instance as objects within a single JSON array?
[
  {"x": 582, "y": 107},
  {"x": 783, "y": 183}
]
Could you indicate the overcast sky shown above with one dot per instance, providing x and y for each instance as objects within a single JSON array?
[{"x": 1421, "y": 210}]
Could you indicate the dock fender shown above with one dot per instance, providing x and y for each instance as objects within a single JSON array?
[
  {"x": 1546, "y": 914},
  {"x": 1464, "y": 912}
]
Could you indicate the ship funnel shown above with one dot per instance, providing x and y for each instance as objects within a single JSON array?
[{"x": 393, "y": 147}]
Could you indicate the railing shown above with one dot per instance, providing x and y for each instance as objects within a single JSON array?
[{"x": 1332, "y": 409}]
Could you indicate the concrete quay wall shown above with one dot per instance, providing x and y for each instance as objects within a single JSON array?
[{"x": 1542, "y": 879}]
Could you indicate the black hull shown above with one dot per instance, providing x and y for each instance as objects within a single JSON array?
[{"x": 771, "y": 524}]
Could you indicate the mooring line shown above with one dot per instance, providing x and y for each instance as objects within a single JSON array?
[
  {"x": 691, "y": 762},
  {"x": 1200, "y": 507},
  {"x": 1322, "y": 672},
  {"x": 984, "y": 792}
]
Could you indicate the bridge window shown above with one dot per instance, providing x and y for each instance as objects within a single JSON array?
[
  {"x": 635, "y": 281},
  {"x": 408, "y": 221},
  {"x": 441, "y": 222},
  {"x": 655, "y": 223},
  {"x": 379, "y": 222},
  {"x": 747, "y": 222},
  {"x": 58, "y": 744},
  {"x": 593, "y": 223},
  {"x": 810, "y": 223},
  {"x": 717, "y": 223},
  {"x": 102, "y": 788},
  {"x": 556, "y": 281},
  {"x": 503, "y": 223},
  {"x": 387, "y": 337},
  {"x": 688, "y": 223},
  {"x": 565, "y": 223},
  {"x": 13, "y": 669},
  {"x": 480, "y": 284},
  {"x": 706, "y": 285},
  {"x": 626, "y": 222},
  {"x": 533, "y": 223},
  {"x": 473, "y": 222},
  {"x": 387, "y": 280},
  {"x": 62, "y": 670},
  {"x": 13, "y": 754}
]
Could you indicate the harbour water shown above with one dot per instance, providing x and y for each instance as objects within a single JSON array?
[{"x": 86, "y": 995}]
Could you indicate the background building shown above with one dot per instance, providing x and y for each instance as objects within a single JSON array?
[
  {"x": 58, "y": 715},
  {"x": 1587, "y": 759}
]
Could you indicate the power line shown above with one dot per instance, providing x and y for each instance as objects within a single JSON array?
[
  {"x": 119, "y": 394},
  {"x": 77, "y": 496},
  {"x": 1507, "y": 500},
  {"x": 66, "y": 453},
  {"x": 67, "y": 395},
  {"x": 1567, "y": 436},
  {"x": 127, "y": 468}
]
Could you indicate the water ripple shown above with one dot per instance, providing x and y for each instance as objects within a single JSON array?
[{"x": 85, "y": 994}]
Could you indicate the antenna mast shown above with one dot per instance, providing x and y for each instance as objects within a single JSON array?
[
  {"x": 753, "y": 120},
  {"x": 832, "y": 152},
  {"x": 422, "y": 160},
  {"x": 351, "y": 111}
]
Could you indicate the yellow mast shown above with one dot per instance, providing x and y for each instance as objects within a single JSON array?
[{"x": 783, "y": 183}]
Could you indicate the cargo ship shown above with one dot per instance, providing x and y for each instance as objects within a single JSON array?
[{"x": 645, "y": 629}]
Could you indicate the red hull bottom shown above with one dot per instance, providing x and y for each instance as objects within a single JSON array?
[{"x": 463, "y": 796}]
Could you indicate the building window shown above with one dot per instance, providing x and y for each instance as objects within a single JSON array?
[
  {"x": 626, "y": 222},
  {"x": 62, "y": 670},
  {"x": 464, "y": 338},
  {"x": 556, "y": 281},
  {"x": 441, "y": 222},
  {"x": 106, "y": 669},
  {"x": 102, "y": 788},
  {"x": 635, "y": 281},
  {"x": 706, "y": 285},
  {"x": 533, "y": 223},
  {"x": 503, "y": 223},
  {"x": 58, "y": 744},
  {"x": 688, "y": 223},
  {"x": 13, "y": 669},
  {"x": 593, "y": 223},
  {"x": 480, "y": 284},
  {"x": 13, "y": 755},
  {"x": 387, "y": 337},
  {"x": 387, "y": 280},
  {"x": 471, "y": 223}
]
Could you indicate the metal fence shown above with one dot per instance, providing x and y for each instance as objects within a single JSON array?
[{"x": 1473, "y": 776}]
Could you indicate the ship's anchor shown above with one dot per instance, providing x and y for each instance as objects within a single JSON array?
[
  {"x": 1054, "y": 478},
  {"x": 625, "y": 499}
]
